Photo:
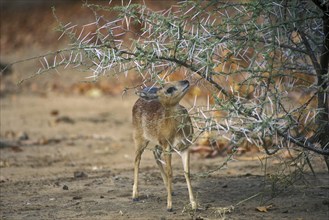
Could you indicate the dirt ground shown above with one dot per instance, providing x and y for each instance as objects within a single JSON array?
[
  {"x": 71, "y": 157},
  {"x": 66, "y": 152}
]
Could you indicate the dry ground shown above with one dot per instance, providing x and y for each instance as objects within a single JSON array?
[{"x": 78, "y": 164}]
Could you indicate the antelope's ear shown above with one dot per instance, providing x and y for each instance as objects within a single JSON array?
[{"x": 148, "y": 93}]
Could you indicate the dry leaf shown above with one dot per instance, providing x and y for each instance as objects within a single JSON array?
[
  {"x": 264, "y": 208},
  {"x": 54, "y": 112},
  {"x": 261, "y": 208}
]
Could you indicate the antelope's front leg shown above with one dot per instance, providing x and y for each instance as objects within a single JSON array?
[
  {"x": 167, "y": 157},
  {"x": 140, "y": 146}
]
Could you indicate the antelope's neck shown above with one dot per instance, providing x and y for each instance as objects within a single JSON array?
[{"x": 170, "y": 112}]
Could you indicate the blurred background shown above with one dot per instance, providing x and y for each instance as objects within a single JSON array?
[{"x": 28, "y": 29}]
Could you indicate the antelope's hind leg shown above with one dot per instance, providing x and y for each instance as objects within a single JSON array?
[
  {"x": 186, "y": 165},
  {"x": 157, "y": 156},
  {"x": 169, "y": 174}
]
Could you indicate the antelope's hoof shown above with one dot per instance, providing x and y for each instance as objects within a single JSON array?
[
  {"x": 135, "y": 199},
  {"x": 169, "y": 209},
  {"x": 195, "y": 207}
]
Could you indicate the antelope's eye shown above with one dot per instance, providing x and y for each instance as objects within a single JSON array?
[{"x": 171, "y": 89}]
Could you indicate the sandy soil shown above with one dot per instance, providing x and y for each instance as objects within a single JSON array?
[
  {"x": 66, "y": 150},
  {"x": 71, "y": 157}
]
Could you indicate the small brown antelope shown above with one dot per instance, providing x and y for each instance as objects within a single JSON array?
[{"x": 158, "y": 118}]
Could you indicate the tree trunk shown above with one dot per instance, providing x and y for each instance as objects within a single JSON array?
[{"x": 323, "y": 96}]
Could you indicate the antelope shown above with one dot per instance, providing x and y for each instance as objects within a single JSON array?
[{"x": 159, "y": 118}]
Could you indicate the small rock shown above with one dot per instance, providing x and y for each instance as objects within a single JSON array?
[
  {"x": 102, "y": 197},
  {"x": 64, "y": 119},
  {"x": 77, "y": 197},
  {"x": 80, "y": 174},
  {"x": 65, "y": 187},
  {"x": 325, "y": 202}
]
